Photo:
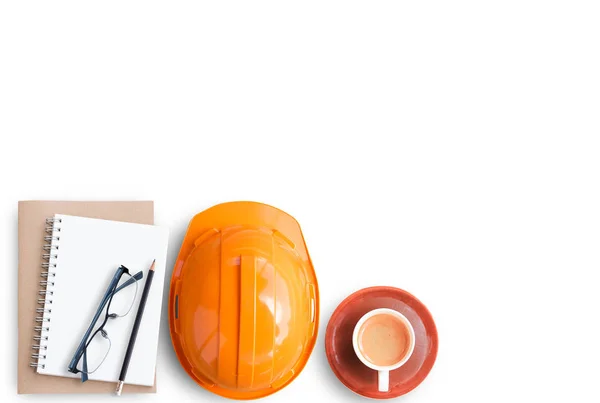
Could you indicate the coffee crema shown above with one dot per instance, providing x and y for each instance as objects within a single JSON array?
[{"x": 384, "y": 340}]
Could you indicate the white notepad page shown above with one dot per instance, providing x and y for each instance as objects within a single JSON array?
[{"x": 89, "y": 252}]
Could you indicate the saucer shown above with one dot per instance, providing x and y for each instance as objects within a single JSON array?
[{"x": 346, "y": 365}]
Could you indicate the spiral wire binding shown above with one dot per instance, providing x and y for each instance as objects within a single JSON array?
[{"x": 46, "y": 292}]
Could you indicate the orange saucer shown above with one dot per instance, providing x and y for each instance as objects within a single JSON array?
[{"x": 346, "y": 365}]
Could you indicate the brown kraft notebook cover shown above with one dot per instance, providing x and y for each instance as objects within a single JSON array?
[{"x": 32, "y": 219}]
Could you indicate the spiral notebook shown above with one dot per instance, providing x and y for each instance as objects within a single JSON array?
[{"x": 79, "y": 257}]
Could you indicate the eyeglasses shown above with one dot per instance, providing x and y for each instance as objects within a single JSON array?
[{"x": 116, "y": 303}]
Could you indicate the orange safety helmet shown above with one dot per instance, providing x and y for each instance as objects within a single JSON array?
[{"x": 244, "y": 301}]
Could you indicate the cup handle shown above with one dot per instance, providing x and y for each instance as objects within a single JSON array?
[{"x": 383, "y": 378}]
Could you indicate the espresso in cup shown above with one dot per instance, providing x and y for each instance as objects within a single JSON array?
[{"x": 383, "y": 340}]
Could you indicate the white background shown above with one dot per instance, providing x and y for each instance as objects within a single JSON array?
[{"x": 450, "y": 148}]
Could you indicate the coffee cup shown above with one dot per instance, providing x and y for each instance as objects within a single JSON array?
[{"x": 383, "y": 340}]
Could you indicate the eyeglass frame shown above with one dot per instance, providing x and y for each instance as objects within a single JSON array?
[{"x": 110, "y": 292}]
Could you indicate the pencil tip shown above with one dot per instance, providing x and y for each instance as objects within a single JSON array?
[{"x": 152, "y": 267}]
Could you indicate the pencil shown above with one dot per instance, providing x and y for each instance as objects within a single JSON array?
[{"x": 134, "y": 331}]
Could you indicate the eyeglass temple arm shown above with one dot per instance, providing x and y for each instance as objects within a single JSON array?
[
  {"x": 80, "y": 349},
  {"x": 137, "y": 277}
]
